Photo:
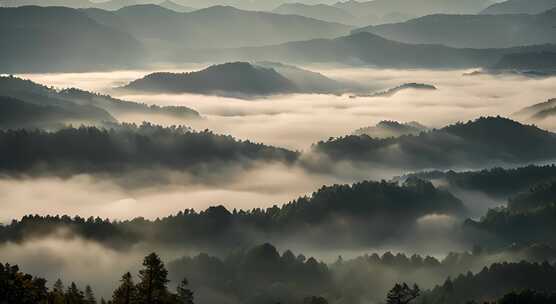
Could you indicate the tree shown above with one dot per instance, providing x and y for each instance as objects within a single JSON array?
[
  {"x": 402, "y": 294},
  {"x": 74, "y": 295},
  {"x": 185, "y": 295},
  {"x": 152, "y": 287},
  {"x": 315, "y": 300},
  {"x": 89, "y": 295},
  {"x": 126, "y": 292}
]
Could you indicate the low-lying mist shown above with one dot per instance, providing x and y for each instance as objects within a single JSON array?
[{"x": 297, "y": 121}]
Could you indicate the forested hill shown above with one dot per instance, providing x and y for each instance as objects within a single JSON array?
[
  {"x": 487, "y": 140},
  {"x": 359, "y": 214},
  {"x": 126, "y": 147},
  {"x": 71, "y": 106}
]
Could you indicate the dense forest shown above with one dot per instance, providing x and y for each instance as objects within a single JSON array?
[
  {"x": 126, "y": 146},
  {"x": 263, "y": 275},
  {"x": 362, "y": 213},
  {"x": 485, "y": 141}
]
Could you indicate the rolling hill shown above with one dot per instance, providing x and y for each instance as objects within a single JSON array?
[{"x": 485, "y": 141}]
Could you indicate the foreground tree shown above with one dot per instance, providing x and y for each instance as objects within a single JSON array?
[
  {"x": 126, "y": 293},
  {"x": 152, "y": 288},
  {"x": 89, "y": 295},
  {"x": 402, "y": 294},
  {"x": 184, "y": 294}
]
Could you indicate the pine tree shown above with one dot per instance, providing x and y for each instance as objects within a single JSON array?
[
  {"x": 89, "y": 295},
  {"x": 402, "y": 294},
  {"x": 152, "y": 287},
  {"x": 126, "y": 293},
  {"x": 184, "y": 294},
  {"x": 74, "y": 295}
]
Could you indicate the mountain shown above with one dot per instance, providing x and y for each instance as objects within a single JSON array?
[
  {"x": 38, "y": 39},
  {"x": 66, "y": 3},
  {"x": 533, "y": 64},
  {"x": 393, "y": 91},
  {"x": 17, "y": 114},
  {"x": 318, "y": 11},
  {"x": 385, "y": 129},
  {"x": 214, "y": 27},
  {"x": 387, "y": 10},
  {"x": 538, "y": 111},
  {"x": 520, "y": 7},
  {"x": 175, "y": 7},
  {"x": 485, "y": 141},
  {"x": 242, "y": 79},
  {"x": 74, "y": 105},
  {"x": 363, "y": 49},
  {"x": 238, "y": 78},
  {"x": 472, "y": 31}
]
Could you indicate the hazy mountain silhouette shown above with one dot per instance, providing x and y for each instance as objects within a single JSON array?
[
  {"x": 237, "y": 78},
  {"x": 242, "y": 79},
  {"x": 318, "y": 11},
  {"x": 16, "y": 114},
  {"x": 391, "y": 9},
  {"x": 73, "y": 104},
  {"x": 473, "y": 31},
  {"x": 520, "y": 7},
  {"x": 218, "y": 26},
  {"x": 168, "y": 4},
  {"x": 386, "y": 128},
  {"x": 61, "y": 39},
  {"x": 66, "y": 3},
  {"x": 364, "y": 48},
  {"x": 538, "y": 111},
  {"x": 485, "y": 141},
  {"x": 393, "y": 91}
]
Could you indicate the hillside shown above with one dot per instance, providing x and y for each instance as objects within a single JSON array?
[
  {"x": 242, "y": 79},
  {"x": 37, "y": 39},
  {"x": 74, "y": 103},
  {"x": 225, "y": 79},
  {"x": 520, "y": 7},
  {"x": 472, "y": 31},
  {"x": 16, "y": 114},
  {"x": 385, "y": 129},
  {"x": 491, "y": 140}
]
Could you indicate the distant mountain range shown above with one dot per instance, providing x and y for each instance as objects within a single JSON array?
[
  {"x": 61, "y": 39},
  {"x": 401, "y": 10},
  {"x": 364, "y": 48},
  {"x": 318, "y": 11},
  {"x": 520, "y": 7},
  {"x": 473, "y": 31},
  {"x": 38, "y": 106},
  {"x": 240, "y": 79},
  {"x": 213, "y": 27}
]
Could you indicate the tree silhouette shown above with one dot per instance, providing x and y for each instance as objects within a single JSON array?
[
  {"x": 89, "y": 295},
  {"x": 126, "y": 292},
  {"x": 402, "y": 294},
  {"x": 185, "y": 295},
  {"x": 152, "y": 288}
]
